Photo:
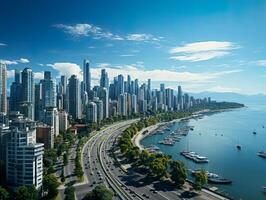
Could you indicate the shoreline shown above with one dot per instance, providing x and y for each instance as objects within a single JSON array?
[{"x": 136, "y": 140}]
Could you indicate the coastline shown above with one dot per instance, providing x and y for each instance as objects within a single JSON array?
[{"x": 136, "y": 140}]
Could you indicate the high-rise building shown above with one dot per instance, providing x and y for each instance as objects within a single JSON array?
[
  {"x": 38, "y": 105},
  {"x": 51, "y": 117},
  {"x": 99, "y": 104},
  {"x": 63, "y": 120},
  {"x": 134, "y": 103},
  {"x": 74, "y": 98},
  {"x": 120, "y": 84},
  {"x": 3, "y": 97},
  {"x": 104, "y": 96},
  {"x": 48, "y": 91},
  {"x": 91, "y": 114},
  {"x": 24, "y": 158},
  {"x": 27, "y": 89},
  {"x": 179, "y": 97},
  {"x": 86, "y": 75},
  {"x": 15, "y": 93},
  {"x": 104, "y": 81},
  {"x": 122, "y": 104}
]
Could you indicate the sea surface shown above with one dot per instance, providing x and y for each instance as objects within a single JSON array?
[{"x": 216, "y": 136}]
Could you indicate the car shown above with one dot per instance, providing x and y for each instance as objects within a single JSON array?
[
  {"x": 91, "y": 174},
  {"x": 94, "y": 182}
]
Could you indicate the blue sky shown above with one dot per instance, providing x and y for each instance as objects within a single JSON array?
[{"x": 203, "y": 45}]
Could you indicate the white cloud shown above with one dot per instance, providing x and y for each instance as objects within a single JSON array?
[
  {"x": 67, "y": 69},
  {"x": 10, "y": 73},
  {"x": 2, "y": 44},
  {"x": 23, "y": 60},
  {"x": 261, "y": 63},
  {"x": 96, "y": 32},
  {"x": 223, "y": 89},
  {"x": 141, "y": 37},
  {"x": 38, "y": 75},
  {"x": 15, "y": 62},
  {"x": 200, "y": 51},
  {"x": 9, "y": 62}
]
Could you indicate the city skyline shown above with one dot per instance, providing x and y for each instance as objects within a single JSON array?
[{"x": 225, "y": 47}]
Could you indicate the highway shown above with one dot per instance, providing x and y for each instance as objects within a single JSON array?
[{"x": 100, "y": 168}]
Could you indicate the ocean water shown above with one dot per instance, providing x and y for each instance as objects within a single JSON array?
[{"x": 216, "y": 136}]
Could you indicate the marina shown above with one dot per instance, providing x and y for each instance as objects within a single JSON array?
[
  {"x": 213, "y": 178},
  {"x": 216, "y": 137}
]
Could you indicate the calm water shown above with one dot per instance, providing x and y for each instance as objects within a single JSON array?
[{"x": 216, "y": 136}]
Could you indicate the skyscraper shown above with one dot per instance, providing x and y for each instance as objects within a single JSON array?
[
  {"x": 104, "y": 81},
  {"x": 91, "y": 112},
  {"x": 74, "y": 98},
  {"x": 3, "y": 98},
  {"x": 120, "y": 84},
  {"x": 122, "y": 104},
  {"x": 27, "y": 104},
  {"x": 48, "y": 91},
  {"x": 103, "y": 94},
  {"x": 15, "y": 92},
  {"x": 86, "y": 75}
]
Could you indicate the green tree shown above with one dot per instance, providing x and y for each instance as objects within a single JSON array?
[
  {"x": 63, "y": 175},
  {"x": 69, "y": 193},
  {"x": 178, "y": 172},
  {"x": 201, "y": 179},
  {"x": 65, "y": 159},
  {"x": 159, "y": 165},
  {"x": 26, "y": 193},
  {"x": 4, "y": 195},
  {"x": 100, "y": 192},
  {"x": 50, "y": 185}
]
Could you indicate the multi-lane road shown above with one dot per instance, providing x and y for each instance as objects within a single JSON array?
[{"x": 100, "y": 168}]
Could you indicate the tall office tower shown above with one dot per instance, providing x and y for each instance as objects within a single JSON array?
[
  {"x": 50, "y": 117},
  {"x": 112, "y": 91},
  {"x": 143, "y": 106},
  {"x": 132, "y": 87},
  {"x": 24, "y": 156},
  {"x": 74, "y": 99},
  {"x": 38, "y": 106},
  {"x": 141, "y": 94},
  {"x": 154, "y": 103},
  {"x": 169, "y": 93},
  {"x": 120, "y": 84},
  {"x": 162, "y": 89},
  {"x": 104, "y": 81},
  {"x": 87, "y": 75},
  {"x": 125, "y": 87},
  {"x": 104, "y": 96},
  {"x": 136, "y": 87},
  {"x": 129, "y": 84},
  {"x": 15, "y": 93},
  {"x": 91, "y": 113},
  {"x": 4, "y": 131},
  {"x": 122, "y": 105},
  {"x": 84, "y": 100},
  {"x": 48, "y": 91},
  {"x": 99, "y": 104},
  {"x": 62, "y": 91},
  {"x": 115, "y": 88},
  {"x": 129, "y": 104},
  {"x": 179, "y": 97},
  {"x": 27, "y": 104},
  {"x": 3, "y": 97},
  {"x": 186, "y": 100},
  {"x": 149, "y": 84},
  {"x": 134, "y": 103},
  {"x": 175, "y": 103},
  {"x": 63, "y": 120}
]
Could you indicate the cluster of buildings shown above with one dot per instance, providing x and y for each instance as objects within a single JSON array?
[{"x": 35, "y": 112}]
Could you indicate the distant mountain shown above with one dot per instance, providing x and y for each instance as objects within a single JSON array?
[{"x": 233, "y": 97}]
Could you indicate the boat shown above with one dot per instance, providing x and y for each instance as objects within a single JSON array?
[
  {"x": 194, "y": 157},
  {"x": 238, "y": 146},
  {"x": 254, "y": 132},
  {"x": 264, "y": 188},
  {"x": 214, "y": 178},
  {"x": 262, "y": 154}
]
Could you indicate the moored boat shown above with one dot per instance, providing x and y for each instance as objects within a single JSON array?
[
  {"x": 214, "y": 178},
  {"x": 262, "y": 154}
]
